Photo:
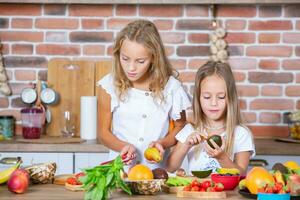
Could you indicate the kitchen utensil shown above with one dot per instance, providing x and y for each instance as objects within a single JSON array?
[
  {"x": 32, "y": 121},
  {"x": 28, "y": 95},
  {"x": 61, "y": 179},
  {"x": 201, "y": 195},
  {"x": 49, "y": 96},
  {"x": 229, "y": 182},
  {"x": 69, "y": 127},
  {"x": 71, "y": 80}
]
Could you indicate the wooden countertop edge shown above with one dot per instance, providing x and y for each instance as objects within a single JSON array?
[
  {"x": 263, "y": 146},
  {"x": 209, "y": 2}
]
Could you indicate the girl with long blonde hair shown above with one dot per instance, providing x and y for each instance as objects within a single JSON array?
[
  {"x": 140, "y": 96},
  {"x": 215, "y": 112}
]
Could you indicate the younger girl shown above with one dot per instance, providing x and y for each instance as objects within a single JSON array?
[
  {"x": 140, "y": 96},
  {"x": 216, "y": 112}
]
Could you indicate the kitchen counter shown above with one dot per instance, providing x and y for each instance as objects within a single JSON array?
[
  {"x": 53, "y": 192},
  {"x": 263, "y": 147},
  {"x": 154, "y": 1}
]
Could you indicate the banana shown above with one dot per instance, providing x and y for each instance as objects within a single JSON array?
[
  {"x": 5, "y": 174},
  {"x": 231, "y": 171}
]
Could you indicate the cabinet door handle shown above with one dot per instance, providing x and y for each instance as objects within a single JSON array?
[{"x": 258, "y": 162}]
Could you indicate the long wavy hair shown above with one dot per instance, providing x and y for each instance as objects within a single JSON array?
[
  {"x": 143, "y": 32},
  {"x": 232, "y": 113}
]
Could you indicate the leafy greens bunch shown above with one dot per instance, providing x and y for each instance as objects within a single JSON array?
[{"x": 99, "y": 181}]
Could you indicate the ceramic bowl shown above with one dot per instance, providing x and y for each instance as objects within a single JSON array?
[
  {"x": 229, "y": 182},
  {"x": 146, "y": 187}
]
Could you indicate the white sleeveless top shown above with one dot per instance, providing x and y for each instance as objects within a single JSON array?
[
  {"x": 140, "y": 119},
  {"x": 197, "y": 161}
]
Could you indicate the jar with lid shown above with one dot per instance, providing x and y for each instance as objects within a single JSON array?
[{"x": 7, "y": 126}]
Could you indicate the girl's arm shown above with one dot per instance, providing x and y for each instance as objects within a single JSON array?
[
  {"x": 169, "y": 140},
  {"x": 176, "y": 157},
  {"x": 181, "y": 149},
  {"x": 105, "y": 135},
  {"x": 241, "y": 161}
]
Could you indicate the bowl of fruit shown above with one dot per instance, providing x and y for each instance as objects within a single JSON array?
[
  {"x": 142, "y": 180},
  {"x": 229, "y": 177}
]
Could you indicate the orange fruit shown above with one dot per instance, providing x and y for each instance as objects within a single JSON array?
[
  {"x": 140, "y": 172},
  {"x": 257, "y": 177}
]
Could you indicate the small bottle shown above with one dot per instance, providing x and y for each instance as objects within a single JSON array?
[{"x": 69, "y": 128}]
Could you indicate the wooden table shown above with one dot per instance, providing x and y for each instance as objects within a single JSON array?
[{"x": 56, "y": 192}]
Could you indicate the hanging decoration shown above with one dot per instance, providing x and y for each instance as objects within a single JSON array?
[
  {"x": 218, "y": 46},
  {"x": 4, "y": 88}
]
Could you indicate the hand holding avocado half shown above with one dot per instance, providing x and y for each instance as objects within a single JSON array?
[{"x": 215, "y": 146}]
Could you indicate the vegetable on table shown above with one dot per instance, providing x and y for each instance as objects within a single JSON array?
[{"x": 99, "y": 181}]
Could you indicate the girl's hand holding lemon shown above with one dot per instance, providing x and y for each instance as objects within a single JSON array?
[{"x": 154, "y": 153}]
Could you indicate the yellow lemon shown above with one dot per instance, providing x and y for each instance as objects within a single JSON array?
[{"x": 291, "y": 165}]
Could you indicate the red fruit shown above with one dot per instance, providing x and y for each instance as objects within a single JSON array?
[
  {"x": 277, "y": 187},
  {"x": 219, "y": 187},
  {"x": 195, "y": 188},
  {"x": 79, "y": 175},
  {"x": 187, "y": 188},
  {"x": 281, "y": 191},
  {"x": 261, "y": 190},
  {"x": 206, "y": 184},
  {"x": 72, "y": 181},
  {"x": 195, "y": 183},
  {"x": 202, "y": 189},
  {"x": 268, "y": 189},
  {"x": 18, "y": 181},
  {"x": 210, "y": 189}
]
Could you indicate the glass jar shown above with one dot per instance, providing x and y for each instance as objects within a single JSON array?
[
  {"x": 32, "y": 121},
  {"x": 7, "y": 127}
]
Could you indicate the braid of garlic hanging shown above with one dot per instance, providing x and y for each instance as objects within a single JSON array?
[
  {"x": 4, "y": 88},
  {"x": 218, "y": 45}
]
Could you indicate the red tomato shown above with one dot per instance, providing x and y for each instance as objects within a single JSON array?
[
  {"x": 269, "y": 189},
  {"x": 219, "y": 187},
  {"x": 187, "y": 188},
  {"x": 195, "y": 188},
  {"x": 195, "y": 183},
  {"x": 202, "y": 189},
  {"x": 206, "y": 184},
  {"x": 210, "y": 189},
  {"x": 72, "y": 181},
  {"x": 79, "y": 175}
]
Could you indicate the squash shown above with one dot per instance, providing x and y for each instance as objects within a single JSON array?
[{"x": 257, "y": 177}]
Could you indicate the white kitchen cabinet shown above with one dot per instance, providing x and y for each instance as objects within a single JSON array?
[
  {"x": 84, "y": 160},
  {"x": 64, "y": 161}
]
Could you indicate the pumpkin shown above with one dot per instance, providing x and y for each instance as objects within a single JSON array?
[
  {"x": 258, "y": 177},
  {"x": 140, "y": 172}
]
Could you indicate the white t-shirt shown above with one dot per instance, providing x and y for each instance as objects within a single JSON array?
[
  {"x": 197, "y": 156},
  {"x": 139, "y": 119}
]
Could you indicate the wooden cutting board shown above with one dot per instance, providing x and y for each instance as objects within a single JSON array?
[
  {"x": 71, "y": 79},
  {"x": 201, "y": 195},
  {"x": 102, "y": 68}
]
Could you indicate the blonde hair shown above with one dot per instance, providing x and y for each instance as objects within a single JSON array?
[
  {"x": 233, "y": 115},
  {"x": 143, "y": 32}
]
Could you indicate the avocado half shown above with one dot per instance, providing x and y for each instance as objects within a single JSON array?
[
  {"x": 202, "y": 174},
  {"x": 217, "y": 139}
]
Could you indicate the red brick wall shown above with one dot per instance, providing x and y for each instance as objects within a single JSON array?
[{"x": 263, "y": 44}]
